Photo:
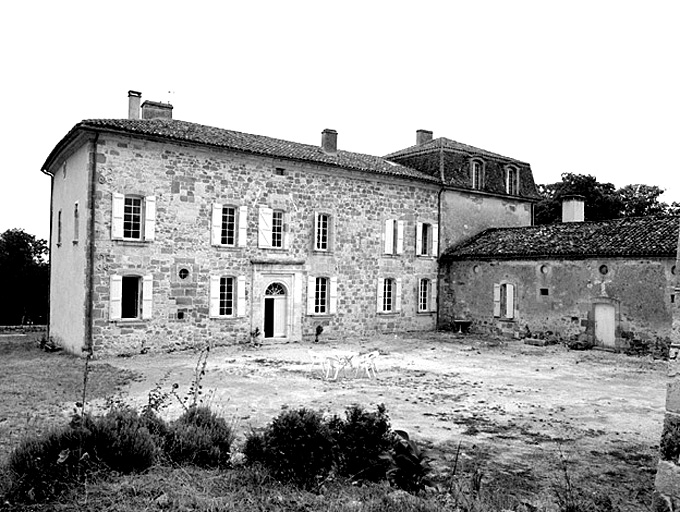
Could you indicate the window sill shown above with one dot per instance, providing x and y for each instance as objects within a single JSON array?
[
  {"x": 224, "y": 317},
  {"x": 132, "y": 243},
  {"x": 388, "y": 313},
  {"x": 228, "y": 247},
  {"x": 426, "y": 313},
  {"x": 321, "y": 252},
  {"x": 321, "y": 315},
  {"x": 131, "y": 322}
]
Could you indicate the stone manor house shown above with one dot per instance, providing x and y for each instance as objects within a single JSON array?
[{"x": 167, "y": 234}]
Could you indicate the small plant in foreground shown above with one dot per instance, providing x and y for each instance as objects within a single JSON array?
[
  {"x": 200, "y": 437},
  {"x": 409, "y": 466},
  {"x": 361, "y": 438}
]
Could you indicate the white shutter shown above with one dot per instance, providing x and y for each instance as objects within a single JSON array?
[
  {"x": 214, "y": 293},
  {"x": 380, "y": 294},
  {"x": 264, "y": 227},
  {"x": 389, "y": 236},
  {"x": 496, "y": 299},
  {"x": 419, "y": 238},
  {"x": 333, "y": 303},
  {"x": 510, "y": 301},
  {"x": 315, "y": 235},
  {"x": 116, "y": 298},
  {"x": 311, "y": 294},
  {"x": 150, "y": 218},
  {"x": 433, "y": 299},
  {"x": 398, "y": 296},
  {"x": 435, "y": 240},
  {"x": 216, "y": 235},
  {"x": 241, "y": 296},
  {"x": 400, "y": 237},
  {"x": 117, "y": 211},
  {"x": 147, "y": 297},
  {"x": 242, "y": 226}
]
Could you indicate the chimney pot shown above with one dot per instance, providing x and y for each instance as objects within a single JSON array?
[
  {"x": 423, "y": 136},
  {"x": 156, "y": 110},
  {"x": 134, "y": 99},
  {"x": 329, "y": 141},
  {"x": 573, "y": 208}
]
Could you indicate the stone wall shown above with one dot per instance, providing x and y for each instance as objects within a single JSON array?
[
  {"x": 667, "y": 496},
  {"x": 558, "y": 296},
  {"x": 187, "y": 180}
]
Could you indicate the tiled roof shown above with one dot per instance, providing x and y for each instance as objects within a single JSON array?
[
  {"x": 630, "y": 237},
  {"x": 443, "y": 142},
  {"x": 183, "y": 131}
]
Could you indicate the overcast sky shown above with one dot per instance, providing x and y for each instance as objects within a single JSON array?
[{"x": 589, "y": 87}]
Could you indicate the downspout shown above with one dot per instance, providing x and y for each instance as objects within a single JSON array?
[
  {"x": 89, "y": 348},
  {"x": 441, "y": 228}
]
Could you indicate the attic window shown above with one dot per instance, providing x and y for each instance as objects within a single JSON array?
[
  {"x": 477, "y": 174},
  {"x": 604, "y": 270},
  {"x": 512, "y": 181},
  {"x": 280, "y": 171}
]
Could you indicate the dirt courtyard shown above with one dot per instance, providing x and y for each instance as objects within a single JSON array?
[{"x": 520, "y": 413}]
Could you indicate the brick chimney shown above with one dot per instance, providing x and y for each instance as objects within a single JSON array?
[
  {"x": 329, "y": 141},
  {"x": 573, "y": 208},
  {"x": 423, "y": 136},
  {"x": 134, "y": 99},
  {"x": 156, "y": 110}
]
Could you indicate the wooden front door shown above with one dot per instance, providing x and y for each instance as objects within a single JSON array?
[
  {"x": 605, "y": 325},
  {"x": 275, "y": 311}
]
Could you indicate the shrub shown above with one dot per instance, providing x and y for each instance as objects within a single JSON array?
[
  {"x": 200, "y": 437},
  {"x": 297, "y": 447},
  {"x": 410, "y": 468},
  {"x": 361, "y": 438}
]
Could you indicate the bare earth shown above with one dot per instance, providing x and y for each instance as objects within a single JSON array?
[{"x": 520, "y": 413}]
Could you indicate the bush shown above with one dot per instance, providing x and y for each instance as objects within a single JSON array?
[
  {"x": 200, "y": 437},
  {"x": 361, "y": 438},
  {"x": 297, "y": 447},
  {"x": 42, "y": 468}
]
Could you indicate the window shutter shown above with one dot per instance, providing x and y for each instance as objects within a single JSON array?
[
  {"x": 264, "y": 227},
  {"x": 333, "y": 302},
  {"x": 117, "y": 210},
  {"x": 147, "y": 296},
  {"x": 242, "y": 226},
  {"x": 389, "y": 236},
  {"x": 214, "y": 296},
  {"x": 435, "y": 240},
  {"x": 381, "y": 294},
  {"x": 150, "y": 218},
  {"x": 311, "y": 294},
  {"x": 116, "y": 298},
  {"x": 433, "y": 296},
  {"x": 496, "y": 299},
  {"x": 398, "y": 295},
  {"x": 419, "y": 238},
  {"x": 216, "y": 235},
  {"x": 315, "y": 235},
  {"x": 400, "y": 237},
  {"x": 510, "y": 308},
  {"x": 241, "y": 296}
]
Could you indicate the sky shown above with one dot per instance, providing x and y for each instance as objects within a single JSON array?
[{"x": 588, "y": 87}]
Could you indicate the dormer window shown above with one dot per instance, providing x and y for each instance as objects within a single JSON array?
[
  {"x": 477, "y": 174},
  {"x": 512, "y": 180}
]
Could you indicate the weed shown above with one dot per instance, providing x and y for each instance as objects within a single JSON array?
[
  {"x": 409, "y": 465},
  {"x": 193, "y": 398}
]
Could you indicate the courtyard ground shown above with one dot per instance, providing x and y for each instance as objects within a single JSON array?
[{"x": 529, "y": 421}]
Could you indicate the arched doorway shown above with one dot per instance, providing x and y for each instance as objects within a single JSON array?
[{"x": 275, "y": 308}]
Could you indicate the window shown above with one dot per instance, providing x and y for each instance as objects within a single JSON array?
[
  {"x": 322, "y": 230},
  {"x": 389, "y": 295},
  {"x": 229, "y": 225},
  {"x": 133, "y": 217},
  {"x": 512, "y": 181},
  {"x": 227, "y": 296},
  {"x": 59, "y": 228},
  {"x": 271, "y": 228},
  {"x": 279, "y": 171},
  {"x": 427, "y": 239},
  {"x": 427, "y": 294},
  {"x": 322, "y": 295},
  {"x": 544, "y": 291},
  {"x": 504, "y": 300},
  {"x": 76, "y": 223},
  {"x": 477, "y": 174},
  {"x": 393, "y": 236},
  {"x": 131, "y": 297}
]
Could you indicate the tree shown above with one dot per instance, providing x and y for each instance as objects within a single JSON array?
[
  {"x": 25, "y": 278},
  {"x": 602, "y": 200}
]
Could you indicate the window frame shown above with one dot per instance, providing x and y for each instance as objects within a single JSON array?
[
  {"x": 393, "y": 237},
  {"x": 216, "y": 296},
  {"x": 512, "y": 182},
  {"x": 389, "y": 294},
  {"x": 424, "y": 295},
  {"x": 505, "y": 300},
  {"x": 146, "y": 215},
  {"x": 322, "y": 229},
  {"x": 313, "y": 295},
  {"x": 477, "y": 171},
  {"x": 427, "y": 245},
  {"x": 76, "y": 223},
  {"x": 144, "y": 297}
]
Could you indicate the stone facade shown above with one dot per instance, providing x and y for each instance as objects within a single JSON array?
[{"x": 563, "y": 297}]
